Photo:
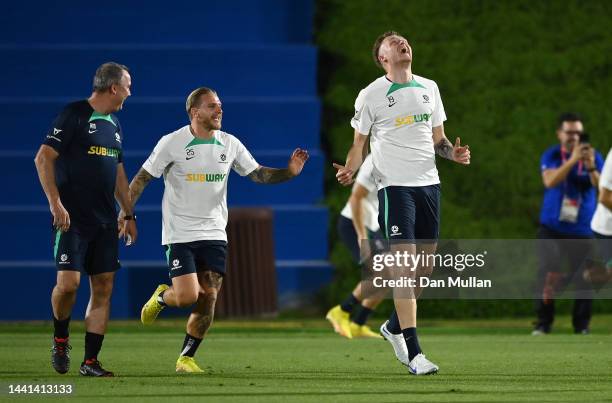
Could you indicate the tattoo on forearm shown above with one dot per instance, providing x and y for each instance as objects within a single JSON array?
[
  {"x": 270, "y": 175},
  {"x": 140, "y": 181},
  {"x": 444, "y": 148}
]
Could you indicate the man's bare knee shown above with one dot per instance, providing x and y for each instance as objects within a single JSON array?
[
  {"x": 186, "y": 298},
  {"x": 209, "y": 295},
  {"x": 67, "y": 285},
  {"x": 103, "y": 290},
  {"x": 67, "y": 289}
]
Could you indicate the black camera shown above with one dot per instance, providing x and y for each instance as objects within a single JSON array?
[{"x": 584, "y": 138}]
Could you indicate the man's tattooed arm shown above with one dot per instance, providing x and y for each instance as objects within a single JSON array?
[
  {"x": 139, "y": 182},
  {"x": 444, "y": 148},
  {"x": 270, "y": 175}
]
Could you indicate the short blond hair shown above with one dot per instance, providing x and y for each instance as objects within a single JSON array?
[{"x": 194, "y": 100}]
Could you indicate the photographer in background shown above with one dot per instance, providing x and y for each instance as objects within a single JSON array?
[{"x": 570, "y": 173}]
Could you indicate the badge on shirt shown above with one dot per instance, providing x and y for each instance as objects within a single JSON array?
[{"x": 569, "y": 210}]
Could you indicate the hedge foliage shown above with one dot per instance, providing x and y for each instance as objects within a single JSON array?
[{"x": 505, "y": 70}]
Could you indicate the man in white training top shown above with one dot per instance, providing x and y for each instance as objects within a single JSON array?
[
  {"x": 195, "y": 161},
  {"x": 404, "y": 115}
]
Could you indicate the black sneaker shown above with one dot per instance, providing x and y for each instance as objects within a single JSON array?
[
  {"x": 60, "y": 355},
  {"x": 94, "y": 368}
]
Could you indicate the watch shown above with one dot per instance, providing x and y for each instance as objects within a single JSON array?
[{"x": 130, "y": 217}]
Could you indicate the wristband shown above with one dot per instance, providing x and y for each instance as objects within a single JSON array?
[{"x": 130, "y": 217}]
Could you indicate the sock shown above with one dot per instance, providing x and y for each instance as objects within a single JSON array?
[
  {"x": 412, "y": 342},
  {"x": 190, "y": 345},
  {"x": 93, "y": 344},
  {"x": 160, "y": 299},
  {"x": 349, "y": 302},
  {"x": 394, "y": 326},
  {"x": 362, "y": 317},
  {"x": 60, "y": 328}
]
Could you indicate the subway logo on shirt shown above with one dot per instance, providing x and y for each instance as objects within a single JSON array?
[
  {"x": 103, "y": 151},
  {"x": 410, "y": 119},
  {"x": 194, "y": 177}
]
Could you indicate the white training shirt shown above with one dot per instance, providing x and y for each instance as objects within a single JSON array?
[
  {"x": 602, "y": 219},
  {"x": 400, "y": 118},
  {"x": 194, "y": 206},
  {"x": 370, "y": 202}
]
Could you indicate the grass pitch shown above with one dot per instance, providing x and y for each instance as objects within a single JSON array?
[{"x": 480, "y": 361}]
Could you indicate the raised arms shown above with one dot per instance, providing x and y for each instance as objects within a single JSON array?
[
  {"x": 269, "y": 175},
  {"x": 445, "y": 149},
  {"x": 554, "y": 176},
  {"x": 276, "y": 175},
  {"x": 354, "y": 159}
]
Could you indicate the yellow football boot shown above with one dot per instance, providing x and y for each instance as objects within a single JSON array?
[
  {"x": 363, "y": 331},
  {"x": 152, "y": 308},
  {"x": 340, "y": 321},
  {"x": 186, "y": 364}
]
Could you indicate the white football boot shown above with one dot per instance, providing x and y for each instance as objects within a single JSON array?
[
  {"x": 397, "y": 342},
  {"x": 422, "y": 366}
]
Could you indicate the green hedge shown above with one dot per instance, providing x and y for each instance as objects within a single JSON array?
[{"x": 505, "y": 70}]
